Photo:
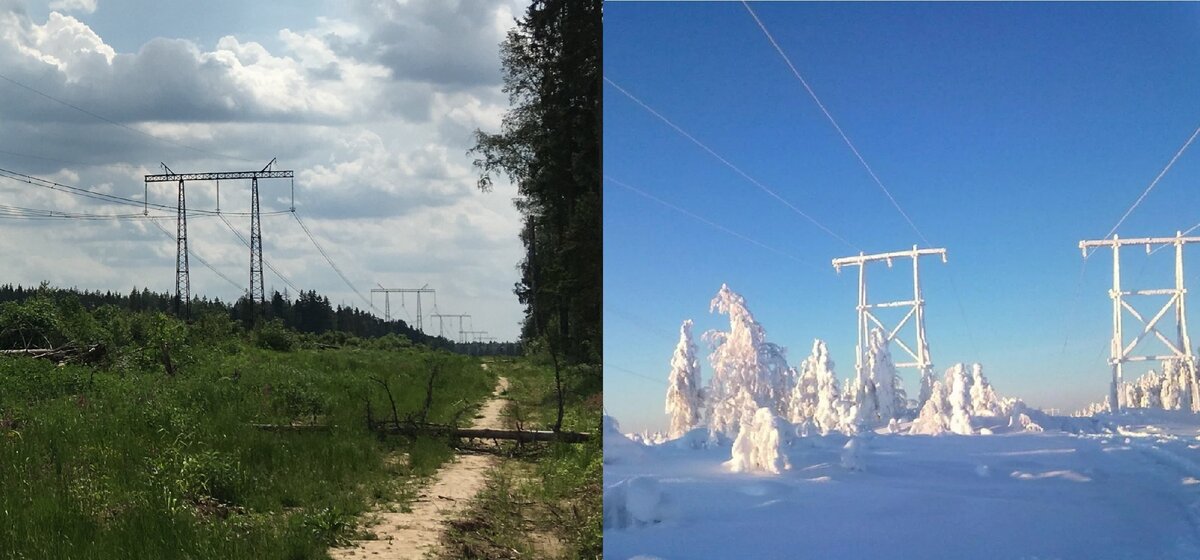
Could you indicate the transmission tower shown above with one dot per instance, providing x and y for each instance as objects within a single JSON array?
[
  {"x": 387, "y": 304},
  {"x": 478, "y": 335},
  {"x": 1181, "y": 347},
  {"x": 920, "y": 357},
  {"x": 182, "y": 282},
  {"x": 442, "y": 316},
  {"x": 460, "y": 316}
]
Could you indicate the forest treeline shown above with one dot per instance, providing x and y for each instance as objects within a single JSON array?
[{"x": 308, "y": 313}]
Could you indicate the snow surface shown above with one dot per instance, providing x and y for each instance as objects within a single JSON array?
[{"x": 1124, "y": 486}]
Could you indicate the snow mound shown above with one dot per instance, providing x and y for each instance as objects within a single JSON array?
[
  {"x": 617, "y": 447},
  {"x": 695, "y": 438},
  {"x": 854, "y": 455},
  {"x": 633, "y": 502},
  {"x": 1024, "y": 422},
  {"x": 757, "y": 445}
]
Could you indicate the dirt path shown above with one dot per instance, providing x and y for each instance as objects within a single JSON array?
[{"x": 414, "y": 534}]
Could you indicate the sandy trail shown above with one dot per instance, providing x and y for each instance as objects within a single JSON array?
[{"x": 415, "y": 534}]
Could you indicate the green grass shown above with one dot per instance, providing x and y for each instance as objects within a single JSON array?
[
  {"x": 551, "y": 491},
  {"x": 124, "y": 461}
]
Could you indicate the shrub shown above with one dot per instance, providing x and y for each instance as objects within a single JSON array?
[{"x": 272, "y": 335}]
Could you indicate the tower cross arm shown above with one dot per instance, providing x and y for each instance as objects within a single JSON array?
[
  {"x": 1148, "y": 241},
  {"x": 166, "y": 177},
  {"x": 859, "y": 260}
]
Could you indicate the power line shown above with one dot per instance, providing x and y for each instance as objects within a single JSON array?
[
  {"x": 709, "y": 222},
  {"x": 331, "y": 263},
  {"x": 834, "y": 122},
  {"x": 8, "y": 211},
  {"x": 30, "y": 156},
  {"x": 110, "y": 198},
  {"x": 265, "y": 261},
  {"x": 863, "y": 161},
  {"x": 115, "y": 123},
  {"x": 199, "y": 258},
  {"x": 1153, "y": 183},
  {"x": 608, "y": 366},
  {"x": 727, "y": 163}
]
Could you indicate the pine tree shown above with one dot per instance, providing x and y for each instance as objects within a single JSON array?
[{"x": 683, "y": 384}]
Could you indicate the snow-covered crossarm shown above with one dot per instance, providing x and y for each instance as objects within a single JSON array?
[
  {"x": 862, "y": 258},
  {"x": 1149, "y": 242}
]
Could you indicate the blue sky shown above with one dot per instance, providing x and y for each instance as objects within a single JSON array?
[{"x": 1007, "y": 132}]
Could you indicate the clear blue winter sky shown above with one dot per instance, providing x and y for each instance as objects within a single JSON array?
[{"x": 1008, "y": 132}]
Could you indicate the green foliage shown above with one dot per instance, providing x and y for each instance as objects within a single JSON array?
[
  {"x": 35, "y": 323},
  {"x": 389, "y": 342},
  {"x": 272, "y": 335},
  {"x": 120, "y": 461},
  {"x": 426, "y": 454},
  {"x": 330, "y": 526}
]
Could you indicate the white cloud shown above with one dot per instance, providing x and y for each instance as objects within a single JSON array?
[
  {"x": 379, "y": 151},
  {"x": 85, "y": 6}
]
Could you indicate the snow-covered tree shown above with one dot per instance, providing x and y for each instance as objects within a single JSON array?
[
  {"x": 875, "y": 392},
  {"x": 1169, "y": 396},
  {"x": 983, "y": 398},
  {"x": 757, "y": 447},
  {"x": 959, "y": 397},
  {"x": 748, "y": 372},
  {"x": 1189, "y": 399},
  {"x": 827, "y": 415},
  {"x": 802, "y": 404},
  {"x": 927, "y": 381},
  {"x": 934, "y": 418},
  {"x": 683, "y": 385},
  {"x": 883, "y": 376}
]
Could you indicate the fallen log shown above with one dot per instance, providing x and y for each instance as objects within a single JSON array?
[
  {"x": 62, "y": 354},
  {"x": 524, "y": 436},
  {"x": 480, "y": 433},
  {"x": 292, "y": 427}
]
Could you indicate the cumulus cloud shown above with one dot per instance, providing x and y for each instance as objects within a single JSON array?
[
  {"x": 374, "y": 113},
  {"x": 85, "y": 6}
]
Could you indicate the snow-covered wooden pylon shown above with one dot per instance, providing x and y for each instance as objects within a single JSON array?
[
  {"x": 867, "y": 320},
  {"x": 1181, "y": 347}
]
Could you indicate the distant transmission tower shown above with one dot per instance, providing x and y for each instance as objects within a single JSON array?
[
  {"x": 387, "y": 304},
  {"x": 460, "y": 316},
  {"x": 182, "y": 276},
  {"x": 867, "y": 320},
  {"x": 1181, "y": 347}
]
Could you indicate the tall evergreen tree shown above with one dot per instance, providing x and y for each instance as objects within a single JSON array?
[
  {"x": 549, "y": 146},
  {"x": 683, "y": 386}
]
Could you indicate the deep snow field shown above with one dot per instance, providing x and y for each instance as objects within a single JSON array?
[{"x": 1123, "y": 486}]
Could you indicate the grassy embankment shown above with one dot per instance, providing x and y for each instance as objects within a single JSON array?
[
  {"x": 122, "y": 460},
  {"x": 545, "y": 499}
]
